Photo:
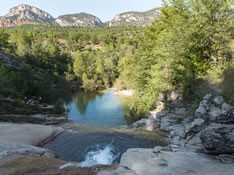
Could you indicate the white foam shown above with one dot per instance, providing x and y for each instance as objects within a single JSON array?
[{"x": 101, "y": 156}]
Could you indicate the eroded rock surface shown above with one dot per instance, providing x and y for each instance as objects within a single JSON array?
[
  {"x": 147, "y": 161},
  {"x": 23, "y": 138},
  {"x": 218, "y": 138},
  {"x": 27, "y": 133}
]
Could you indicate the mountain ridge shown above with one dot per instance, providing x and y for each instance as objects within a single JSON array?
[{"x": 27, "y": 14}]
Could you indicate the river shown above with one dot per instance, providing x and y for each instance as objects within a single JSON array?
[
  {"x": 103, "y": 109},
  {"x": 92, "y": 147}
]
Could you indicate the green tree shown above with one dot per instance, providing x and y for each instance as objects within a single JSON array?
[
  {"x": 3, "y": 39},
  {"x": 179, "y": 47}
]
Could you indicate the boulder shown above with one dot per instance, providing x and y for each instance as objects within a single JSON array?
[
  {"x": 207, "y": 97},
  {"x": 218, "y": 100},
  {"x": 204, "y": 106},
  {"x": 201, "y": 111},
  {"x": 226, "y": 107},
  {"x": 214, "y": 113},
  {"x": 218, "y": 138},
  {"x": 195, "y": 126},
  {"x": 228, "y": 118},
  {"x": 139, "y": 124}
]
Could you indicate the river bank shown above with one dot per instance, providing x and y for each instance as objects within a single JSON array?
[
  {"x": 192, "y": 133},
  {"x": 200, "y": 141},
  {"x": 20, "y": 154},
  {"x": 19, "y": 142}
]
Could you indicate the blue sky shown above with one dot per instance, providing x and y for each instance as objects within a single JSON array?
[{"x": 104, "y": 9}]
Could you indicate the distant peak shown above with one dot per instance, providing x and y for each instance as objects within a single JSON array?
[{"x": 24, "y": 6}]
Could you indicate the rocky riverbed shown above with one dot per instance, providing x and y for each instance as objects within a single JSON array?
[
  {"x": 199, "y": 143},
  {"x": 20, "y": 154}
]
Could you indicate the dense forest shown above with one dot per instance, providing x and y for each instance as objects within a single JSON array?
[
  {"x": 87, "y": 57},
  {"x": 188, "y": 48}
]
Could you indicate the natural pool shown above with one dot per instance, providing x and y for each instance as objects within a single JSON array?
[
  {"x": 103, "y": 109},
  {"x": 96, "y": 110},
  {"x": 92, "y": 148}
]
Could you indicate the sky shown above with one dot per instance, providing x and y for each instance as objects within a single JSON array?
[{"x": 104, "y": 9}]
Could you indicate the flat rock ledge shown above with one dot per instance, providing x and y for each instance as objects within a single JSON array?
[
  {"x": 139, "y": 161},
  {"x": 23, "y": 139},
  {"x": 44, "y": 119},
  {"x": 19, "y": 154}
]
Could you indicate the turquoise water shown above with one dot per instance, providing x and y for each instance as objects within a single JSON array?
[
  {"x": 96, "y": 109},
  {"x": 95, "y": 148}
]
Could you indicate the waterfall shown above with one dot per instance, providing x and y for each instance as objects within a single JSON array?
[{"x": 100, "y": 155}]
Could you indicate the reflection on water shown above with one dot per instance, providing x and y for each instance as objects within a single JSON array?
[{"x": 98, "y": 109}]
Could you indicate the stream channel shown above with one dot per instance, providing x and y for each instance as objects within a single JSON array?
[{"x": 94, "y": 147}]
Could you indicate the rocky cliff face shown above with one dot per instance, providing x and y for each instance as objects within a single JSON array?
[
  {"x": 79, "y": 19},
  {"x": 134, "y": 18},
  {"x": 25, "y": 14}
]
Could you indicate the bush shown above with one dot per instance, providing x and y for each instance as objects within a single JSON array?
[{"x": 228, "y": 84}]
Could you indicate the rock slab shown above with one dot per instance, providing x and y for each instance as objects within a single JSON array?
[
  {"x": 151, "y": 162},
  {"x": 27, "y": 133}
]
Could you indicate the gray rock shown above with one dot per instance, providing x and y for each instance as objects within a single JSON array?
[
  {"x": 226, "y": 158},
  {"x": 172, "y": 134},
  {"x": 139, "y": 124},
  {"x": 161, "y": 114},
  {"x": 151, "y": 125},
  {"x": 195, "y": 126},
  {"x": 177, "y": 141},
  {"x": 194, "y": 143},
  {"x": 27, "y": 133},
  {"x": 218, "y": 138},
  {"x": 204, "y": 106},
  {"x": 118, "y": 171},
  {"x": 180, "y": 111},
  {"x": 226, "y": 107},
  {"x": 157, "y": 149},
  {"x": 207, "y": 97},
  {"x": 227, "y": 118},
  {"x": 201, "y": 111},
  {"x": 166, "y": 124},
  {"x": 218, "y": 100},
  {"x": 179, "y": 130},
  {"x": 214, "y": 113},
  {"x": 22, "y": 149},
  {"x": 148, "y": 162}
]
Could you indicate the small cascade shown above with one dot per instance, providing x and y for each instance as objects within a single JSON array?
[{"x": 98, "y": 155}]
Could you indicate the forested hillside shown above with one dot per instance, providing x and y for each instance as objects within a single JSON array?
[
  {"x": 55, "y": 56},
  {"x": 188, "y": 48}
]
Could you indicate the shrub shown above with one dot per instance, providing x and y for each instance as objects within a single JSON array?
[{"x": 228, "y": 84}]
